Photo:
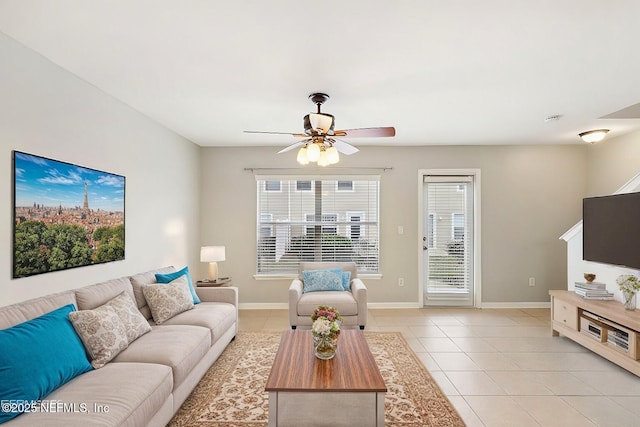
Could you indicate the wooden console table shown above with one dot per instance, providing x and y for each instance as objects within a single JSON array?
[{"x": 603, "y": 327}]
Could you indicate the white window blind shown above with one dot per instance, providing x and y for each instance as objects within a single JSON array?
[
  {"x": 450, "y": 205},
  {"x": 323, "y": 223}
]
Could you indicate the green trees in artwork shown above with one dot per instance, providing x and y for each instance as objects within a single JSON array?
[
  {"x": 110, "y": 243},
  {"x": 39, "y": 249}
]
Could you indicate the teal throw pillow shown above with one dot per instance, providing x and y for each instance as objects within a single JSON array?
[
  {"x": 38, "y": 356},
  {"x": 346, "y": 280},
  {"x": 170, "y": 277},
  {"x": 322, "y": 280}
]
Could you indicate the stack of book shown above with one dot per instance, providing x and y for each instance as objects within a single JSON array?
[{"x": 593, "y": 290}]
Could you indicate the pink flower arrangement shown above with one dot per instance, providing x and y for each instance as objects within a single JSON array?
[{"x": 326, "y": 312}]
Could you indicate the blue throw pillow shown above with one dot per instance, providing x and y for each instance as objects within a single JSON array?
[
  {"x": 168, "y": 278},
  {"x": 38, "y": 356},
  {"x": 322, "y": 280},
  {"x": 346, "y": 280}
]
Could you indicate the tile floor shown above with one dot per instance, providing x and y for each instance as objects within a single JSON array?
[{"x": 501, "y": 367}]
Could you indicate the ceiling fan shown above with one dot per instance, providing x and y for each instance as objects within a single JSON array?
[{"x": 319, "y": 143}]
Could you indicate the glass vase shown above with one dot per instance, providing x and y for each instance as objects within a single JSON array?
[
  {"x": 629, "y": 300},
  {"x": 325, "y": 346}
]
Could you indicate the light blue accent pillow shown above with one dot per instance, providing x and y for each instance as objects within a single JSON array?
[
  {"x": 38, "y": 356},
  {"x": 170, "y": 277},
  {"x": 346, "y": 280},
  {"x": 322, "y": 280}
]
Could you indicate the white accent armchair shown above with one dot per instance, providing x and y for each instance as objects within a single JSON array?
[{"x": 352, "y": 305}]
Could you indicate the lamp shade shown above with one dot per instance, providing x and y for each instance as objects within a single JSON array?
[{"x": 212, "y": 253}]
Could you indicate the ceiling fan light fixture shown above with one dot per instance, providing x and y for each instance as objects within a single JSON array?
[
  {"x": 323, "y": 160},
  {"x": 332, "y": 155},
  {"x": 593, "y": 136},
  {"x": 302, "y": 158},
  {"x": 313, "y": 152},
  {"x": 321, "y": 122}
]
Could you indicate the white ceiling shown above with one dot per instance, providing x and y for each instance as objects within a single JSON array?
[{"x": 441, "y": 72}]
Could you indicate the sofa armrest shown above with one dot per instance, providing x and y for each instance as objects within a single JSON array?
[
  {"x": 359, "y": 291},
  {"x": 295, "y": 292},
  {"x": 228, "y": 294}
]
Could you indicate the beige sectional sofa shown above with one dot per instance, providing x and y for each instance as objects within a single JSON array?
[{"x": 147, "y": 382}]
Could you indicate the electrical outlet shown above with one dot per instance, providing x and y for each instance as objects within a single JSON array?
[
  {"x": 400, "y": 281},
  {"x": 400, "y": 229},
  {"x": 532, "y": 281}
]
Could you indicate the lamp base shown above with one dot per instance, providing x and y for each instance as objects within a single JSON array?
[{"x": 213, "y": 272}]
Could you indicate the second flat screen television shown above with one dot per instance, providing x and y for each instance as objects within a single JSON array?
[{"x": 611, "y": 229}]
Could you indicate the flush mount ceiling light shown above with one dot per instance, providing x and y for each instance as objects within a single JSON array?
[{"x": 593, "y": 136}]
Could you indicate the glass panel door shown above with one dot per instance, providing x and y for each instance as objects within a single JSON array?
[{"x": 449, "y": 240}]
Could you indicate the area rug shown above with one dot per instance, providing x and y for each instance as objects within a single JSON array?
[{"x": 231, "y": 393}]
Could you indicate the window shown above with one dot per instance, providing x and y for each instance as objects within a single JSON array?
[
  {"x": 345, "y": 185},
  {"x": 272, "y": 186},
  {"x": 265, "y": 228},
  {"x": 457, "y": 231},
  {"x": 431, "y": 230},
  {"x": 317, "y": 219},
  {"x": 355, "y": 231},
  {"x": 303, "y": 185}
]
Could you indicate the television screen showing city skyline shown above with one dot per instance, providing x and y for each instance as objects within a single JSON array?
[{"x": 65, "y": 215}]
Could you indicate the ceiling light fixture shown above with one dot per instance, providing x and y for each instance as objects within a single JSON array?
[
  {"x": 593, "y": 136},
  {"x": 319, "y": 150}
]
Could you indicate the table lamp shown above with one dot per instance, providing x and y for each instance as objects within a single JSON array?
[{"x": 212, "y": 254}]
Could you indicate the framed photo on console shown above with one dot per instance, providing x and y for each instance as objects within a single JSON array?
[{"x": 64, "y": 215}]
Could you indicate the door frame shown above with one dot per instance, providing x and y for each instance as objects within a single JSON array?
[{"x": 477, "y": 267}]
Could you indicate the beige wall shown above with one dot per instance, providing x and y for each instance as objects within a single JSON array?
[
  {"x": 48, "y": 112},
  {"x": 612, "y": 163},
  {"x": 530, "y": 196}
]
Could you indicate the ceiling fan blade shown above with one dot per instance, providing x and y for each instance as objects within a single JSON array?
[
  {"x": 344, "y": 147},
  {"x": 366, "y": 132},
  {"x": 293, "y": 146},
  {"x": 297, "y": 135}
]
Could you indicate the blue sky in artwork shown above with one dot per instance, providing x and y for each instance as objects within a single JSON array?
[{"x": 53, "y": 183}]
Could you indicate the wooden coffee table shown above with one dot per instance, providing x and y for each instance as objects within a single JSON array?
[{"x": 347, "y": 390}]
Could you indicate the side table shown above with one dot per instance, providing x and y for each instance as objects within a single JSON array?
[{"x": 223, "y": 281}]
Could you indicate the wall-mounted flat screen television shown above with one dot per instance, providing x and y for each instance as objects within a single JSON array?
[
  {"x": 64, "y": 215},
  {"x": 611, "y": 229}
]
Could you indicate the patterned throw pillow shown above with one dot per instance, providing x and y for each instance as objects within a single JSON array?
[
  {"x": 102, "y": 333},
  {"x": 165, "y": 301},
  {"x": 322, "y": 280},
  {"x": 134, "y": 322}
]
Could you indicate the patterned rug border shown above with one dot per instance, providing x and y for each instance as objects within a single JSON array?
[{"x": 231, "y": 393}]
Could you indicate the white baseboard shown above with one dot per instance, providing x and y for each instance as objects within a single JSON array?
[
  {"x": 516, "y": 305},
  {"x": 395, "y": 305}
]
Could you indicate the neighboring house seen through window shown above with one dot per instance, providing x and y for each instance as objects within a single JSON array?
[{"x": 317, "y": 219}]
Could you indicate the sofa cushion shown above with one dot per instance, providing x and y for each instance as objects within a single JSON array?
[
  {"x": 39, "y": 356},
  {"x": 120, "y": 394},
  {"x": 344, "y": 302},
  {"x": 218, "y": 317},
  {"x": 322, "y": 280},
  {"x": 165, "y": 301},
  {"x": 102, "y": 332},
  {"x": 139, "y": 281},
  {"x": 178, "y": 346},
  {"x": 90, "y": 297},
  {"x": 11, "y": 315},
  {"x": 134, "y": 322},
  {"x": 170, "y": 277}
]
